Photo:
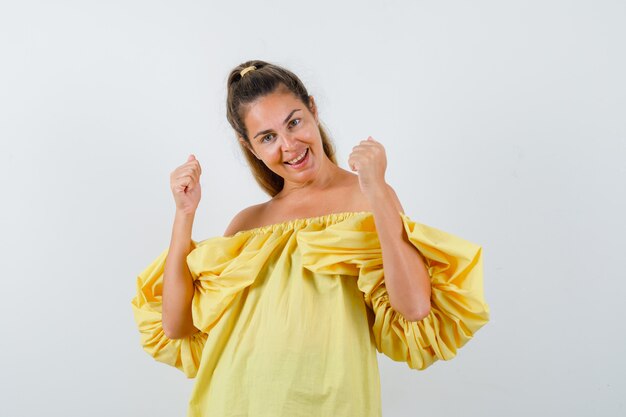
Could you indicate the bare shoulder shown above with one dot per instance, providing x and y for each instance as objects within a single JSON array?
[{"x": 244, "y": 219}]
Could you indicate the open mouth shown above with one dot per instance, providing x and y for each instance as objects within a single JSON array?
[{"x": 301, "y": 161}]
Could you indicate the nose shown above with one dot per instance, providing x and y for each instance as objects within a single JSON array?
[{"x": 289, "y": 142}]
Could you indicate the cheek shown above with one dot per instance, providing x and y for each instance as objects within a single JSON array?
[
  {"x": 271, "y": 154},
  {"x": 315, "y": 134}
]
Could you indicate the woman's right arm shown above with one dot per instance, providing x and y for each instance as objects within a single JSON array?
[{"x": 178, "y": 287}]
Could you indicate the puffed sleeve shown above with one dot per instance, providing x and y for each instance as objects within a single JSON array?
[
  {"x": 184, "y": 354},
  {"x": 458, "y": 308},
  {"x": 221, "y": 267}
]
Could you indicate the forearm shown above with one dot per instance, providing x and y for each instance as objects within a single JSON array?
[
  {"x": 406, "y": 276},
  {"x": 178, "y": 287}
]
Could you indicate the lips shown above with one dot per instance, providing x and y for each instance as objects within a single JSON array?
[{"x": 302, "y": 158}]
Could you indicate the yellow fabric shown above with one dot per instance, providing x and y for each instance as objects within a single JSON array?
[{"x": 291, "y": 316}]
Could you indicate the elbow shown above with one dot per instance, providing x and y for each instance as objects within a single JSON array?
[
  {"x": 176, "y": 334},
  {"x": 179, "y": 332},
  {"x": 172, "y": 332},
  {"x": 418, "y": 314}
]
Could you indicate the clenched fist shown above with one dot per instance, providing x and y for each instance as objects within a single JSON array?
[
  {"x": 369, "y": 160},
  {"x": 185, "y": 185}
]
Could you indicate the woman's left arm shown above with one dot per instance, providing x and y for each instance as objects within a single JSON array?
[{"x": 406, "y": 277}]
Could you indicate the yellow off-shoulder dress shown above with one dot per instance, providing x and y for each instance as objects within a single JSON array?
[{"x": 291, "y": 315}]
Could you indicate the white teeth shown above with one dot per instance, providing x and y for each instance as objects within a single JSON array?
[{"x": 298, "y": 159}]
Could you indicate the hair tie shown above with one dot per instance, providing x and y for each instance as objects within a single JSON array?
[{"x": 246, "y": 70}]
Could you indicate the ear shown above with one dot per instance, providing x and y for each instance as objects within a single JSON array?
[
  {"x": 248, "y": 146},
  {"x": 313, "y": 109}
]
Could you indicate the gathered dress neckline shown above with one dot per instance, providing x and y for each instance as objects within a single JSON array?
[{"x": 301, "y": 221}]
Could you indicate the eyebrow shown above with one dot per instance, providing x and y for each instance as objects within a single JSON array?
[{"x": 284, "y": 121}]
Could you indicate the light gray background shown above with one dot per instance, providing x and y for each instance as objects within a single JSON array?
[{"x": 503, "y": 123}]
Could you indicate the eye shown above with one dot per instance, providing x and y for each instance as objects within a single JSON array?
[
  {"x": 263, "y": 139},
  {"x": 294, "y": 120}
]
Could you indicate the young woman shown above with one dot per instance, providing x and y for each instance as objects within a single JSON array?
[{"x": 282, "y": 316}]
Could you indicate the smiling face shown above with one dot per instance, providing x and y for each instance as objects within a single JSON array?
[{"x": 284, "y": 134}]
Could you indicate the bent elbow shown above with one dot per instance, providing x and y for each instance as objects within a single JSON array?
[
  {"x": 175, "y": 335},
  {"x": 172, "y": 332},
  {"x": 419, "y": 314},
  {"x": 180, "y": 332}
]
